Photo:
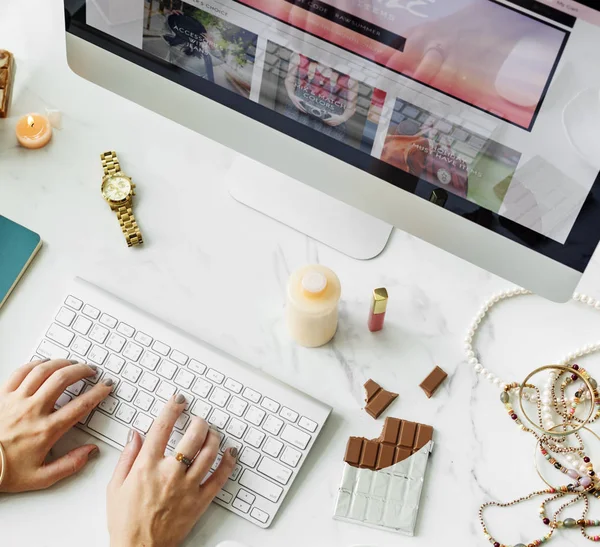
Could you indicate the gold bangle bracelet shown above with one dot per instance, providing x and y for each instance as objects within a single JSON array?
[
  {"x": 2, "y": 464},
  {"x": 565, "y": 424}
]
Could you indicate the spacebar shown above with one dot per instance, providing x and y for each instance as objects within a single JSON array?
[{"x": 109, "y": 428}]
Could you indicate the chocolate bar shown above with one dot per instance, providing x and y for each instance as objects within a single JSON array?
[
  {"x": 7, "y": 75},
  {"x": 399, "y": 440},
  {"x": 378, "y": 399},
  {"x": 433, "y": 381}
]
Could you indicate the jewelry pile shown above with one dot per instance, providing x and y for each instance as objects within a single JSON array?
[{"x": 566, "y": 404}]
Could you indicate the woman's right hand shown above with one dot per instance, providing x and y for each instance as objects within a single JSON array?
[{"x": 153, "y": 500}]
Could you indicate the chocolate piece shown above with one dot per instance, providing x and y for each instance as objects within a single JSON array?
[
  {"x": 378, "y": 399},
  {"x": 433, "y": 381},
  {"x": 398, "y": 440},
  {"x": 7, "y": 74}
]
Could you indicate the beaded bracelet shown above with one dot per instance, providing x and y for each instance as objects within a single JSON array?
[{"x": 2, "y": 464}]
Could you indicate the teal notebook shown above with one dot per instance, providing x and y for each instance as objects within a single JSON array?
[{"x": 18, "y": 246}]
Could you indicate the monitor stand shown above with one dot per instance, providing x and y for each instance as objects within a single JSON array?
[{"x": 307, "y": 210}]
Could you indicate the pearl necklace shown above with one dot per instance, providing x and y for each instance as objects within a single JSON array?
[{"x": 504, "y": 295}]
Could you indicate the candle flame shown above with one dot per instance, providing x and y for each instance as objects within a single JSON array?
[{"x": 30, "y": 121}]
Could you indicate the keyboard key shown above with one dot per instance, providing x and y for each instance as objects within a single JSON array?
[
  {"x": 202, "y": 388},
  {"x": 108, "y": 321},
  {"x": 291, "y": 456},
  {"x": 114, "y": 363},
  {"x": 184, "y": 378},
  {"x": 272, "y": 447},
  {"x": 255, "y": 437},
  {"x": 157, "y": 408},
  {"x": 149, "y": 381},
  {"x": 236, "y": 472},
  {"x": 73, "y": 302},
  {"x": 189, "y": 399},
  {"x": 178, "y": 357},
  {"x": 149, "y": 360},
  {"x": 273, "y": 425},
  {"x": 82, "y": 325},
  {"x": 125, "y": 330},
  {"x": 49, "y": 350},
  {"x": 132, "y": 372},
  {"x": 270, "y": 404},
  {"x": 241, "y": 505},
  {"x": 246, "y": 496},
  {"x": 231, "y": 443},
  {"x": 233, "y": 385},
  {"x": 165, "y": 391},
  {"x": 161, "y": 348},
  {"x": 255, "y": 415},
  {"x": 201, "y": 409},
  {"x": 94, "y": 379},
  {"x": 216, "y": 463},
  {"x": 295, "y": 437},
  {"x": 59, "y": 334},
  {"x": 251, "y": 395},
  {"x": 219, "y": 397},
  {"x": 182, "y": 421},
  {"x": 98, "y": 334},
  {"x": 143, "y": 400},
  {"x": 261, "y": 486},
  {"x": 143, "y": 422},
  {"x": 62, "y": 400},
  {"x": 76, "y": 388},
  {"x": 97, "y": 355},
  {"x": 196, "y": 366},
  {"x": 115, "y": 342},
  {"x": 249, "y": 457},
  {"x": 237, "y": 406},
  {"x": 167, "y": 369},
  {"x": 274, "y": 470},
  {"x": 259, "y": 515},
  {"x": 132, "y": 351},
  {"x": 65, "y": 316},
  {"x": 224, "y": 496},
  {"x": 126, "y": 391},
  {"x": 218, "y": 418},
  {"x": 174, "y": 439},
  {"x": 90, "y": 311},
  {"x": 109, "y": 405},
  {"x": 288, "y": 414},
  {"x": 143, "y": 339},
  {"x": 215, "y": 376},
  {"x": 109, "y": 428},
  {"x": 81, "y": 345},
  {"x": 307, "y": 424},
  {"x": 237, "y": 428}
]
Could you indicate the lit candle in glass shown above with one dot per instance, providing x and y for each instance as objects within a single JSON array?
[{"x": 34, "y": 131}]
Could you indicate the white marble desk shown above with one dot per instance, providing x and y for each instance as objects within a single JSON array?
[{"x": 219, "y": 270}]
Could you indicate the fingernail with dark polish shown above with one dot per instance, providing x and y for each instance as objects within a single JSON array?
[
  {"x": 109, "y": 382},
  {"x": 73, "y": 361},
  {"x": 93, "y": 367},
  {"x": 93, "y": 453},
  {"x": 44, "y": 361},
  {"x": 234, "y": 452},
  {"x": 180, "y": 399},
  {"x": 130, "y": 436}
]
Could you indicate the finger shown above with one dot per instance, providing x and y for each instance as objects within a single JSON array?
[
  {"x": 205, "y": 458},
  {"x": 429, "y": 66},
  {"x": 127, "y": 459},
  {"x": 66, "y": 466},
  {"x": 218, "y": 479},
  {"x": 41, "y": 373},
  {"x": 192, "y": 441},
  {"x": 67, "y": 416},
  {"x": 61, "y": 379},
  {"x": 158, "y": 436},
  {"x": 17, "y": 377}
]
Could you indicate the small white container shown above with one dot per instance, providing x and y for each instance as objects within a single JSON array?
[{"x": 313, "y": 297}]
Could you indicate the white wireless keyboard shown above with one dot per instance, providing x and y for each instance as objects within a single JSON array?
[{"x": 272, "y": 425}]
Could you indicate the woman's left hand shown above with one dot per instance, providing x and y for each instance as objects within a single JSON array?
[{"x": 29, "y": 425}]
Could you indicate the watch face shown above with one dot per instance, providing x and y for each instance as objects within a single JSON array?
[{"x": 116, "y": 188}]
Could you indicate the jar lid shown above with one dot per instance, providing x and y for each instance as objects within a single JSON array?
[{"x": 314, "y": 282}]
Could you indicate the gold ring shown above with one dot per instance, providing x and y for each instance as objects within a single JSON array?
[
  {"x": 183, "y": 459},
  {"x": 558, "y": 433}
]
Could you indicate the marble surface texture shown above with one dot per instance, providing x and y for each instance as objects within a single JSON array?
[{"x": 219, "y": 270}]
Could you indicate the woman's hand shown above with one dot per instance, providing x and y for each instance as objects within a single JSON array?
[
  {"x": 153, "y": 500},
  {"x": 29, "y": 426}
]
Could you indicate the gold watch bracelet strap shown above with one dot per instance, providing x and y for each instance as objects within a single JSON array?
[
  {"x": 129, "y": 226},
  {"x": 110, "y": 163}
]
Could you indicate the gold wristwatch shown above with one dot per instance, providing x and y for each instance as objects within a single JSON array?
[{"x": 118, "y": 191}]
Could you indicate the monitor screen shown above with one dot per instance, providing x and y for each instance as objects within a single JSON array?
[{"x": 496, "y": 102}]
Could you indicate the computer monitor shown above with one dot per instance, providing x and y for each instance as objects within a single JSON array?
[{"x": 472, "y": 124}]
